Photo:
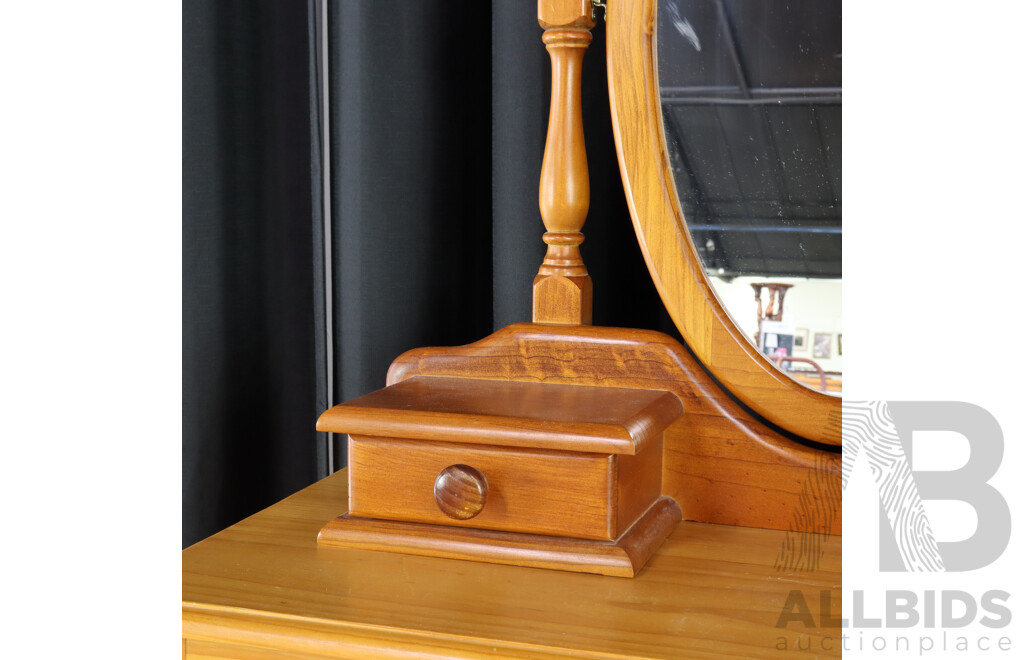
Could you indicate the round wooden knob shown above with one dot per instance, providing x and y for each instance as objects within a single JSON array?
[{"x": 460, "y": 491}]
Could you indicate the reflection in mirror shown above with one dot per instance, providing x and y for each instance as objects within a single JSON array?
[{"x": 751, "y": 94}]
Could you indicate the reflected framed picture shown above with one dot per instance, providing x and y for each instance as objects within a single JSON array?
[
  {"x": 822, "y": 345},
  {"x": 800, "y": 340}
]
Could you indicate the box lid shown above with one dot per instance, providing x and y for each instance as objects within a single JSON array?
[{"x": 607, "y": 420}]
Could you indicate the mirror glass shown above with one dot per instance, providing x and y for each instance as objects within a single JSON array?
[{"x": 751, "y": 96}]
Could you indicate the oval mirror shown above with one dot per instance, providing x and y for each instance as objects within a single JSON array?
[
  {"x": 751, "y": 98},
  {"x": 727, "y": 123}
]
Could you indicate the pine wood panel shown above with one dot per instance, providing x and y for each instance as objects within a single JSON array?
[
  {"x": 665, "y": 241},
  {"x": 509, "y": 413},
  {"x": 711, "y": 591},
  {"x": 537, "y": 492},
  {"x": 721, "y": 465},
  {"x": 562, "y": 290},
  {"x": 637, "y": 483},
  {"x": 589, "y": 496},
  {"x": 623, "y": 557}
]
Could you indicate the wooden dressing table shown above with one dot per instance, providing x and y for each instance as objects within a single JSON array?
[
  {"x": 264, "y": 589},
  {"x": 760, "y": 510}
]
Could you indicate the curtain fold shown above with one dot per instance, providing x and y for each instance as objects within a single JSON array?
[
  {"x": 248, "y": 359},
  {"x": 438, "y": 114},
  {"x": 520, "y": 87},
  {"x": 410, "y": 121}
]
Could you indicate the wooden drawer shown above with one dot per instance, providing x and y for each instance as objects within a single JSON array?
[{"x": 576, "y": 494}]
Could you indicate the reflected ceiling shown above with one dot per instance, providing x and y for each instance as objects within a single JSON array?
[{"x": 752, "y": 100}]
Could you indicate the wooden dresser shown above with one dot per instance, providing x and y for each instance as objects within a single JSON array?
[
  {"x": 263, "y": 588},
  {"x": 753, "y": 571}
]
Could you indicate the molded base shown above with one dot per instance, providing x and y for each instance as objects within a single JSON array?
[{"x": 623, "y": 557}]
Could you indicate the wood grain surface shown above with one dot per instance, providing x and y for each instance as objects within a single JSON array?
[
  {"x": 623, "y": 557},
  {"x": 460, "y": 491},
  {"x": 509, "y": 413},
  {"x": 264, "y": 589},
  {"x": 665, "y": 241},
  {"x": 720, "y": 463},
  {"x": 577, "y": 14},
  {"x": 539, "y": 492},
  {"x": 592, "y": 496},
  {"x": 562, "y": 289}
]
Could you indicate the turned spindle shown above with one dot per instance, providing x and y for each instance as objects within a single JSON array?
[
  {"x": 775, "y": 290},
  {"x": 562, "y": 290}
]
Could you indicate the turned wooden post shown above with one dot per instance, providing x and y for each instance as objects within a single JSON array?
[
  {"x": 770, "y": 313},
  {"x": 562, "y": 290}
]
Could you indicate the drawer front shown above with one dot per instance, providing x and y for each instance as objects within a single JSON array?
[{"x": 530, "y": 491}]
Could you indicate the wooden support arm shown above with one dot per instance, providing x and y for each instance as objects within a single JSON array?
[{"x": 562, "y": 290}]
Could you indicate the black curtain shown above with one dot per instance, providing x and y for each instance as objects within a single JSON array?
[
  {"x": 437, "y": 117},
  {"x": 249, "y": 196}
]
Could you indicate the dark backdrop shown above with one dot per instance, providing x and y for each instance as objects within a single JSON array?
[{"x": 438, "y": 111}]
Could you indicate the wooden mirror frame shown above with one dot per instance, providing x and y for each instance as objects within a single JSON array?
[{"x": 668, "y": 248}]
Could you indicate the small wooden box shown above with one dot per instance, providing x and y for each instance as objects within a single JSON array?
[{"x": 460, "y": 465}]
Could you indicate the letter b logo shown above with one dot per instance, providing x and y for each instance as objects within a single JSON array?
[{"x": 883, "y": 432}]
